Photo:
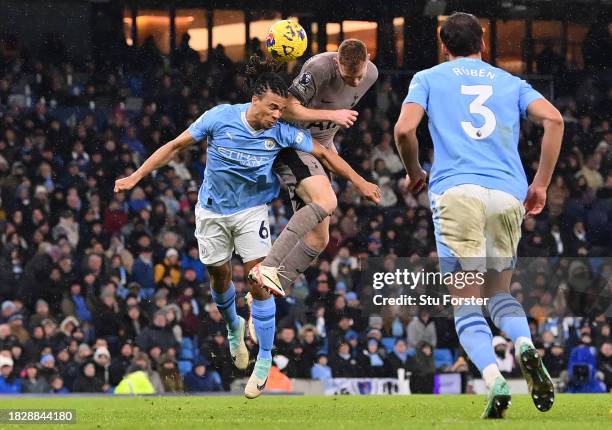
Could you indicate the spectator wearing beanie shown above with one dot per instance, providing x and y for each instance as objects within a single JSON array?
[
  {"x": 10, "y": 383},
  {"x": 168, "y": 272},
  {"x": 320, "y": 370},
  {"x": 102, "y": 362},
  {"x": 47, "y": 366},
  {"x": 398, "y": 358}
]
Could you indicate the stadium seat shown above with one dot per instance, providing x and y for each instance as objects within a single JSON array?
[
  {"x": 185, "y": 366},
  {"x": 187, "y": 354},
  {"x": 443, "y": 357},
  {"x": 187, "y": 343},
  {"x": 388, "y": 343}
]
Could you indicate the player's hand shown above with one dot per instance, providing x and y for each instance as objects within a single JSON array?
[
  {"x": 416, "y": 180},
  {"x": 125, "y": 184},
  {"x": 535, "y": 200},
  {"x": 369, "y": 191},
  {"x": 345, "y": 118}
]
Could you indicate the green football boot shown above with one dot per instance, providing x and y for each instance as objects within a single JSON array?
[
  {"x": 498, "y": 399},
  {"x": 540, "y": 384}
]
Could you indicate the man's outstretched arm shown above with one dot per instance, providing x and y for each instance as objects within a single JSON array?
[
  {"x": 296, "y": 112},
  {"x": 159, "y": 158}
]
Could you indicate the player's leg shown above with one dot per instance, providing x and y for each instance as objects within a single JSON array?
[
  {"x": 216, "y": 246},
  {"x": 459, "y": 219},
  {"x": 252, "y": 240},
  {"x": 305, "y": 251},
  {"x": 503, "y": 229},
  {"x": 307, "y": 181}
]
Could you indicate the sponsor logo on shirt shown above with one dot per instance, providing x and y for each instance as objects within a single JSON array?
[{"x": 244, "y": 159}]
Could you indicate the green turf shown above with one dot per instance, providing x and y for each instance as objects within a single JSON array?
[{"x": 588, "y": 412}]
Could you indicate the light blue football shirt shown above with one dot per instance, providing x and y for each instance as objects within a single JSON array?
[
  {"x": 238, "y": 172},
  {"x": 474, "y": 112}
]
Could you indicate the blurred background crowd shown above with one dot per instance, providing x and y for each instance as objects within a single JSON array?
[{"x": 96, "y": 285}]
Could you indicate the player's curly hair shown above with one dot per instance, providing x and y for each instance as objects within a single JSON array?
[{"x": 261, "y": 76}]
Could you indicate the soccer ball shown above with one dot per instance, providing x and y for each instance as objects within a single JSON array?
[{"x": 286, "y": 40}]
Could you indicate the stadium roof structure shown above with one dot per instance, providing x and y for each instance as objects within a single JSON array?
[{"x": 334, "y": 10}]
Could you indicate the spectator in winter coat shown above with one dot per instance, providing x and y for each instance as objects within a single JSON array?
[
  {"x": 202, "y": 379},
  {"x": 168, "y": 272},
  {"x": 343, "y": 364},
  {"x": 9, "y": 382},
  {"x": 191, "y": 260},
  {"x": 423, "y": 371},
  {"x": 33, "y": 382},
  {"x": 169, "y": 374},
  {"x": 142, "y": 272},
  {"x": 76, "y": 304},
  {"x": 371, "y": 361},
  {"x": 120, "y": 364},
  {"x": 102, "y": 360},
  {"x": 321, "y": 371},
  {"x": 57, "y": 385},
  {"x": 87, "y": 381},
  {"x": 157, "y": 334},
  {"x": 398, "y": 358},
  {"x": 421, "y": 329},
  {"x": 107, "y": 319}
]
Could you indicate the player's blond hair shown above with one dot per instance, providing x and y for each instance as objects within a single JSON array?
[{"x": 352, "y": 53}]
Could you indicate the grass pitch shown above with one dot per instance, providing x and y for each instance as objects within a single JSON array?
[{"x": 590, "y": 412}]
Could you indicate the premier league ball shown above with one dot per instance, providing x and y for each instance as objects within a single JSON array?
[{"x": 286, "y": 40}]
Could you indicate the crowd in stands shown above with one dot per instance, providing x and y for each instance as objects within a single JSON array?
[{"x": 95, "y": 286}]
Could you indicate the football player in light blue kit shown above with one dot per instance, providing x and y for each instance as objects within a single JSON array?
[
  {"x": 232, "y": 213},
  {"x": 479, "y": 193}
]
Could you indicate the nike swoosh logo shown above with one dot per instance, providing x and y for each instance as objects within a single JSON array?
[
  {"x": 272, "y": 281},
  {"x": 261, "y": 387}
]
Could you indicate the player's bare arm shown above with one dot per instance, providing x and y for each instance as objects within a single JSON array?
[
  {"x": 159, "y": 158},
  {"x": 296, "y": 112},
  {"x": 542, "y": 112},
  {"x": 408, "y": 145},
  {"x": 337, "y": 165}
]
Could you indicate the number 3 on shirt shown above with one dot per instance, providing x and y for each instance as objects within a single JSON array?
[{"x": 477, "y": 107}]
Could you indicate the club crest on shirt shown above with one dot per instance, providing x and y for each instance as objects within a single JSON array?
[{"x": 269, "y": 144}]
